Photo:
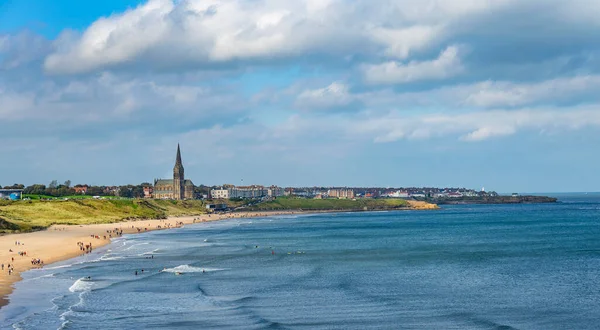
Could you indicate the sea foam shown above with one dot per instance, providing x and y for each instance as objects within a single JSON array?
[
  {"x": 80, "y": 286},
  {"x": 190, "y": 269}
]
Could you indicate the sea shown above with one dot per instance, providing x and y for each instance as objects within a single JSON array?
[{"x": 531, "y": 266}]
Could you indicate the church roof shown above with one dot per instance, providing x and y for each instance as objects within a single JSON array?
[{"x": 167, "y": 182}]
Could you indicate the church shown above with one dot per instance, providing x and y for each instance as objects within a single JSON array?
[{"x": 179, "y": 188}]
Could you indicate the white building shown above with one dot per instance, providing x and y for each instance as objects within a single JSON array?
[
  {"x": 220, "y": 193},
  {"x": 246, "y": 192},
  {"x": 275, "y": 191},
  {"x": 398, "y": 194}
]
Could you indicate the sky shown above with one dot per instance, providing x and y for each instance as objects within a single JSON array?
[{"x": 501, "y": 94}]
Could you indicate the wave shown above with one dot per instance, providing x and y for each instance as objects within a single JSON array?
[
  {"x": 37, "y": 278},
  {"x": 107, "y": 258},
  {"x": 55, "y": 267},
  {"x": 148, "y": 253},
  {"x": 81, "y": 285},
  {"x": 134, "y": 245},
  {"x": 190, "y": 269}
]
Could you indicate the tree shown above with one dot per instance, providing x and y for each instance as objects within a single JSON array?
[
  {"x": 125, "y": 191},
  {"x": 36, "y": 189},
  {"x": 15, "y": 186},
  {"x": 137, "y": 191},
  {"x": 95, "y": 191},
  {"x": 53, "y": 184},
  {"x": 68, "y": 183}
]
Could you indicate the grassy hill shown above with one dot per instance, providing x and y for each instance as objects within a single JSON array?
[
  {"x": 292, "y": 203},
  {"x": 35, "y": 214}
]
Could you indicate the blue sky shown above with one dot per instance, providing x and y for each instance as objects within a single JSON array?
[{"x": 502, "y": 94}]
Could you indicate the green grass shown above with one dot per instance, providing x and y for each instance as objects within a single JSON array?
[
  {"x": 30, "y": 215},
  {"x": 291, "y": 203}
]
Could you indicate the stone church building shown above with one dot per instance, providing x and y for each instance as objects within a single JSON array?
[{"x": 178, "y": 188}]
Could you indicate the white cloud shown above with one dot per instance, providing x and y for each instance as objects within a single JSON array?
[
  {"x": 503, "y": 93},
  {"x": 448, "y": 64},
  {"x": 202, "y": 32},
  {"x": 475, "y": 126},
  {"x": 482, "y": 95},
  {"x": 162, "y": 33},
  {"x": 111, "y": 99},
  {"x": 336, "y": 95},
  {"x": 401, "y": 42}
]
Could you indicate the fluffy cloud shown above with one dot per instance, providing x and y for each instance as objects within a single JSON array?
[
  {"x": 163, "y": 33},
  {"x": 508, "y": 94},
  {"x": 563, "y": 91},
  {"x": 448, "y": 64},
  {"x": 333, "y": 97},
  {"x": 477, "y": 126}
]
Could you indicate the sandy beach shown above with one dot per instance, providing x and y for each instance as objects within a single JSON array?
[{"x": 60, "y": 242}]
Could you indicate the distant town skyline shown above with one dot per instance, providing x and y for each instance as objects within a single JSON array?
[{"x": 299, "y": 93}]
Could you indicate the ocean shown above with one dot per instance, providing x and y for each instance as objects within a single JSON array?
[{"x": 462, "y": 267}]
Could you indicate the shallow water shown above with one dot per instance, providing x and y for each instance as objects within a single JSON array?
[{"x": 464, "y": 267}]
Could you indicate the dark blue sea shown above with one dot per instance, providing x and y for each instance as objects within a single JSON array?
[{"x": 463, "y": 267}]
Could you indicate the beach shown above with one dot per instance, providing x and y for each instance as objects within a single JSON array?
[
  {"x": 60, "y": 242},
  {"x": 526, "y": 266}
]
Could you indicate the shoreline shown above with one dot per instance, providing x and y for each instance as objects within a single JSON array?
[{"x": 60, "y": 242}]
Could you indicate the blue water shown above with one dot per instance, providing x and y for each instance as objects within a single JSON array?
[{"x": 463, "y": 267}]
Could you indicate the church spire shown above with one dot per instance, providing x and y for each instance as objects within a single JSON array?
[{"x": 178, "y": 160}]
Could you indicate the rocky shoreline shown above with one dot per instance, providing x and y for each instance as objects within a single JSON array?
[{"x": 494, "y": 200}]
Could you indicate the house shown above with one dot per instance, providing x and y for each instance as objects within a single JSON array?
[
  {"x": 221, "y": 193},
  {"x": 148, "y": 190},
  {"x": 81, "y": 189},
  {"x": 398, "y": 194},
  {"x": 11, "y": 194}
]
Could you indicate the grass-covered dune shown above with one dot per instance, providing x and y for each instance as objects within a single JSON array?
[
  {"x": 292, "y": 203},
  {"x": 30, "y": 215}
]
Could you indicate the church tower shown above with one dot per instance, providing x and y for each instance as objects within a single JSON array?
[{"x": 178, "y": 178}]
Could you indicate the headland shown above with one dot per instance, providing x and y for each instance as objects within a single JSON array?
[{"x": 498, "y": 199}]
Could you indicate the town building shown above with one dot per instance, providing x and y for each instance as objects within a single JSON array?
[
  {"x": 177, "y": 188},
  {"x": 254, "y": 191},
  {"x": 12, "y": 194},
  {"x": 111, "y": 190},
  {"x": 148, "y": 191},
  {"x": 397, "y": 194},
  {"x": 341, "y": 193},
  {"x": 275, "y": 191},
  {"x": 221, "y": 193},
  {"x": 81, "y": 189}
]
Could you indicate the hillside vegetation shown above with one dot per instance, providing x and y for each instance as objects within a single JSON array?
[
  {"x": 292, "y": 203},
  {"x": 35, "y": 215}
]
